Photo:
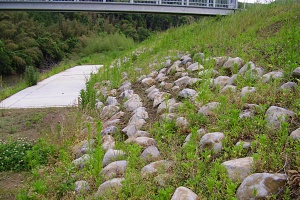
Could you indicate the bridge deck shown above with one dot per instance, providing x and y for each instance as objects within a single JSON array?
[{"x": 195, "y": 7}]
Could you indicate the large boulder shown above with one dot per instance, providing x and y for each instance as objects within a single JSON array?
[
  {"x": 187, "y": 93},
  {"x": 107, "y": 142},
  {"x": 232, "y": 62},
  {"x": 111, "y": 155},
  {"x": 212, "y": 141},
  {"x": 261, "y": 185},
  {"x": 239, "y": 169},
  {"x": 183, "y": 81},
  {"x": 276, "y": 115},
  {"x": 151, "y": 153},
  {"x": 183, "y": 193},
  {"x": 271, "y": 76},
  {"x": 296, "y": 73},
  {"x": 114, "y": 169},
  {"x": 295, "y": 134}
]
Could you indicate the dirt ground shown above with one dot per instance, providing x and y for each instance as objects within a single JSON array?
[{"x": 29, "y": 124}]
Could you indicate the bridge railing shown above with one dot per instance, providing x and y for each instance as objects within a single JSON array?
[{"x": 231, "y": 4}]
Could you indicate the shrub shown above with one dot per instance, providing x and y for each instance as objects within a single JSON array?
[{"x": 31, "y": 76}]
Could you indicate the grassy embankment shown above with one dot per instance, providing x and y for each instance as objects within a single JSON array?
[{"x": 268, "y": 35}]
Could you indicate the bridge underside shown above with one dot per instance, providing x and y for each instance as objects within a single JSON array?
[{"x": 110, "y": 7}]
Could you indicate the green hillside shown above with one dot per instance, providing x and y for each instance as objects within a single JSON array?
[{"x": 268, "y": 35}]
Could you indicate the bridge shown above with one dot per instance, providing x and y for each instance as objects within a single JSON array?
[{"x": 193, "y": 7}]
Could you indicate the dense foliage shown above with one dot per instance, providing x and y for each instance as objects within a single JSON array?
[{"x": 43, "y": 39}]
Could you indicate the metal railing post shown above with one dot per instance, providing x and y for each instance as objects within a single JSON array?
[
  {"x": 182, "y": 2},
  {"x": 187, "y": 2},
  {"x": 104, "y": 1},
  {"x": 159, "y": 2},
  {"x": 131, "y": 1},
  {"x": 207, "y": 3},
  {"x": 214, "y": 5}
]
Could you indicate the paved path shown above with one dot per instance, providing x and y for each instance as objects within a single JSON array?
[{"x": 60, "y": 90}]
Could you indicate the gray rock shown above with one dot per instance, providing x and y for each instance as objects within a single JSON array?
[
  {"x": 81, "y": 187},
  {"x": 168, "y": 86},
  {"x": 111, "y": 155},
  {"x": 219, "y": 61},
  {"x": 160, "y": 77},
  {"x": 239, "y": 169},
  {"x": 127, "y": 94},
  {"x": 212, "y": 141},
  {"x": 115, "y": 169},
  {"x": 183, "y": 81},
  {"x": 153, "y": 74},
  {"x": 132, "y": 104},
  {"x": 246, "y": 90},
  {"x": 228, "y": 89},
  {"x": 295, "y": 134},
  {"x": 147, "y": 82},
  {"x": 133, "y": 127},
  {"x": 220, "y": 81},
  {"x": 195, "y": 67},
  {"x": 208, "y": 108},
  {"x": 272, "y": 75},
  {"x": 232, "y": 80},
  {"x": 141, "y": 134},
  {"x": 108, "y": 142},
  {"x": 151, "y": 95},
  {"x": 164, "y": 70},
  {"x": 151, "y": 153},
  {"x": 296, "y": 73},
  {"x": 144, "y": 141},
  {"x": 139, "y": 113},
  {"x": 110, "y": 130},
  {"x": 150, "y": 89},
  {"x": 83, "y": 147},
  {"x": 118, "y": 115},
  {"x": 261, "y": 185},
  {"x": 81, "y": 162},
  {"x": 185, "y": 59},
  {"x": 248, "y": 66},
  {"x": 125, "y": 86},
  {"x": 112, "y": 186},
  {"x": 231, "y": 62},
  {"x": 168, "y": 116},
  {"x": 187, "y": 93},
  {"x": 155, "y": 167},
  {"x": 246, "y": 114},
  {"x": 182, "y": 124},
  {"x": 168, "y": 64},
  {"x": 255, "y": 73},
  {"x": 110, "y": 122},
  {"x": 289, "y": 86},
  {"x": 245, "y": 144},
  {"x": 108, "y": 111},
  {"x": 159, "y": 98},
  {"x": 183, "y": 193},
  {"x": 276, "y": 115},
  {"x": 174, "y": 67},
  {"x": 175, "y": 89},
  {"x": 194, "y": 81},
  {"x": 166, "y": 105}
]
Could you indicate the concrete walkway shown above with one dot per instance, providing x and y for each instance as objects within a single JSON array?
[{"x": 60, "y": 90}]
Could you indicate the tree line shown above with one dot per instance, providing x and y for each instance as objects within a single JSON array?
[{"x": 40, "y": 39}]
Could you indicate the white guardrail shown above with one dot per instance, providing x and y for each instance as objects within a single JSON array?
[{"x": 229, "y": 4}]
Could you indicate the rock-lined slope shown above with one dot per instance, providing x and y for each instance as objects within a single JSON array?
[{"x": 132, "y": 109}]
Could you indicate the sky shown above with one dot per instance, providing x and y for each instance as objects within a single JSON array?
[{"x": 254, "y": 1}]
